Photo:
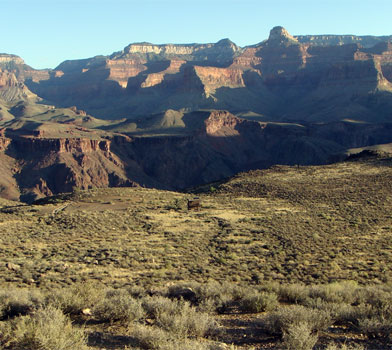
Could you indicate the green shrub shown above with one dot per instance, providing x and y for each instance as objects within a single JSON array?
[
  {"x": 151, "y": 337},
  {"x": 293, "y": 293},
  {"x": 280, "y": 320},
  {"x": 378, "y": 299},
  {"x": 154, "y": 338},
  {"x": 5, "y": 333},
  {"x": 341, "y": 313},
  {"x": 258, "y": 302},
  {"x": 16, "y": 302},
  {"x": 46, "y": 329},
  {"x": 341, "y": 292},
  {"x": 118, "y": 306},
  {"x": 376, "y": 327},
  {"x": 210, "y": 297},
  {"x": 333, "y": 346},
  {"x": 299, "y": 336},
  {"x": 178, "y": 317},
  {"x": 74, "y": 299}
]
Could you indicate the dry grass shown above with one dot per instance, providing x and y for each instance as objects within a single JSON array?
[
  {"x": 309, "y": 225},
  {"x": 261, "y": 234}
]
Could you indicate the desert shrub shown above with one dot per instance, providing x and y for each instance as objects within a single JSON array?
[
  {"x": 5, "y": 333},
  {"x": 258, "y": 302},
  {"x": 293, "y": 293},
  {"x": 151, "y": 337},
  {"x": 352, "y": 315},
  {"x": 154, "y": 338},
  {"x": 299, "y": 336},
  {"x": 74, "y": 299},
  {"x": 280, "y": 320},
  {"x": 137, "y": 291},
  {"x": 376, "y": 327},
  {"x": 342, "y": 292},
  {"x": 333, "y": 346},
  {"x": 46, "y": 329},
  {"x": 16, "y": 302},
  {"x": 209, "y": 297},
  {"x": 378, "y": 299},
  {"x": 178, "y": 317},
  {"x": 340, "y": 312},
  {"x": 118, "y": 305}
]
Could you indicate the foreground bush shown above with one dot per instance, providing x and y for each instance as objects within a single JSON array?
[
  {"x": 16, "y": 302},
  {"x": 74, "y": 299},
  {"x": 46, "y": 329},
  {"x": 178, "y": 317},
  {"x": 258, "y": 302},
  {"x": 299, "y": 336},
  {"x": 376, "y": 327},
  {"x": 209, "y": 297},
  {"x": 333, "y": 346},
  {"x": 154, "y": 338},
  {"x": 118, "y": 305},
  {"x": 279, "y": 322}
]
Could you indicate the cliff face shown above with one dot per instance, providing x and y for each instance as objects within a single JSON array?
[
  {"x": 43, "y": 167},
  {"x": 296, "y": 72},
  {"x": 334, "y": 40},
  {"x": 217, "y": 145},
  {"x": 303, "y": 100}
]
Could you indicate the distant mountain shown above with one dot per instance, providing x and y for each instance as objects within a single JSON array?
[
  {"x": 176, "y": 116},
  {"x": 313, "y": 78}
]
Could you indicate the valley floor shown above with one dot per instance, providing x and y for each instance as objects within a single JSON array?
[{"x": 269, "y": 231}]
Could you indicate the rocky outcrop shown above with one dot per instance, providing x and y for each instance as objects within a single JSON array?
[
  {"x": 59, "y": 145},
  {"x": 218, "y": 147},
  {"x": 222, "y": 52},
  {"x": 338, "y": 40},
  {"x": 303, "y": 100},
  {"x": 11, "y": 89},
  {"x": 7, "y": 60},
  {"x": 153, "y": 79},
  {"x": 279, "y": 36},
  {"x": 43, "y": 167},
  {"x": 122, "y": 69},
  {"x": 214, "y": 78},
  {"x": 282, "y": 77}
]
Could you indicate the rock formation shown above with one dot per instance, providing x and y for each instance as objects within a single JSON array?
[
  {"x": 283, "y": 77},
  {"x": 175, "y": 116}
]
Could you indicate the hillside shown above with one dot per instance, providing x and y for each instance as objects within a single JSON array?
[
  {"x": 115, "y": 260},
  {"x": 309, "y": 224},
  {"x": 175, "y": 116},
  {"x": 311, "y": 78}
]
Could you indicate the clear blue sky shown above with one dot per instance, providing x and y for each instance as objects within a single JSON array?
[{"x": 46, "y": 32}]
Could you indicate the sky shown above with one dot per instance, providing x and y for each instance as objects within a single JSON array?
[{"x": 47, "y": 32}]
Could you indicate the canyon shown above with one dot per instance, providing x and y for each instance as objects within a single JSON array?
[{"x": 178, "y": 116}]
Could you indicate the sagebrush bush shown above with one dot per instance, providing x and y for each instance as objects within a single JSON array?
[
  {"x": 178, "y": 317},
  {"x": 380, "y": 300},
  {"x": 279, "y": 321},
  {"x": 299, "y": 336},
  {"x": 46, "y": 329},
  {"x": 341, "y": 313},
  {"x": 5, "y": 333},
  {"x": 16, "y": 302},
  {"x": 258, "y": 302},
  {"x": 74, "y": 299},
  {"x": 151, "y": 337},
  {"x": 154, "y": 338},
  {"x": 333, "y": 346},
  {"x": 342, "y": 292},
  {"x": 293, "y": 293},
  {"x": 210, "y": 297},
  {"x": 118, "y": 305},
  {"x": 376, "y": 327}
]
